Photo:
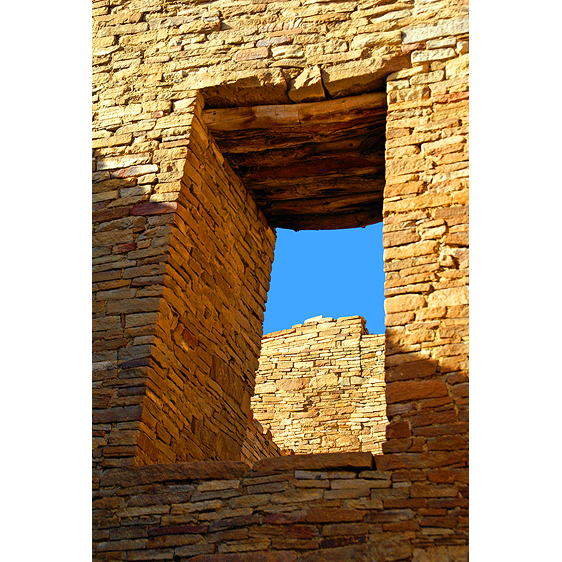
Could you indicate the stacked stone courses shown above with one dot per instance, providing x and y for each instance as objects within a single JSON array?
[
  {"x": 302, "y": 508},
  {"x": 320, "y": 387},
  {"x": 259, "y": 444},
  {"x": 204, "y": 115},
  {"x": 154, "y": 285}
]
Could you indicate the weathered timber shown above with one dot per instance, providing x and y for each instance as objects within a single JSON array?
[
  {"x": 322, "y": 186},
  {"x": 351, "y": 202},
  {"x": 331, "y": 221},
  {"x": 341, "y": 166},
  {"x": 293, "y": 156},
  {"x": 275, "y": 116},
  {"x": 251, "y": 140},
  {"x": 366, "y": 140}
]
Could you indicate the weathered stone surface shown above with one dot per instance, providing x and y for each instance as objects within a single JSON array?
[
  {"x": 307, "y": 86},
  {"x": 448, "y": 297},
  {"x": 251, "y": 54},
  {"x": 414, "y": 390},
  {"x": 206, "y": 470},
  {"x": 318, "y": 371},
  {"x": 454, "y": 26},
  {"x": 320, "y": 461},
  {"x": 358, "y": 77},
  {"x": 237, "y": 88},
  {"x": 432, "y": 55},
  {"x": 181, "y": 270},
  {"x": 333, "y": 515},
  {"x": 404, "y": 303},
  {"x": 127, "y": 413}
]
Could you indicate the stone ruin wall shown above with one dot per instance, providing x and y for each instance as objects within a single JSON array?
[
  {"x": 332, "y": 507},
  {"x": 259, "y": 444},
  {"x": 163, "y": 312},
  {"x": 320, "y": 387},
  {"x": 171, "y": 223}
]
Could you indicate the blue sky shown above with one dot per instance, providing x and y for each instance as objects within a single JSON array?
[{"x": 332, "y": 273}]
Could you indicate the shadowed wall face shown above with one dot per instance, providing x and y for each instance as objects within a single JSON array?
[
  {"x": 179, "y": 296},
  {"x": 207, "y": 338}
]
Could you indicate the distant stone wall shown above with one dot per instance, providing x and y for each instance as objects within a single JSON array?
[{"x": 320, "y": 387}]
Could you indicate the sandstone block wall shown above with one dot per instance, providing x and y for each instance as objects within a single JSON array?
[
  {"x": 181, "y": 278},
  {"x": 302, "y": 508},
  {"x": 259, "y": 444},
  {"x": 320, "y": 387},
  {"x": 155, "y": 168},
  {"x": 425, "y": 235}
]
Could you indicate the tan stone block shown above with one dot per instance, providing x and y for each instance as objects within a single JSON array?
[
  {"x": 123, "y": 161},
  {"x": 433, "y": 55},
  {"x": 399, "y": 319},
  {"x": 428, "y": 78},
  {"x": 291, "y": 384},
  {"x": 252, "y": 54},
  {"x": 456, "y": 239},
  {"x": 457, "y": 67},
  {"x": 307, "y": 86},
  {"x": 403, "y": 391},
  {"x": 411, "y": 139},
  {"x": 411, "y": 250},
  {"x": 404, "y": 303},
  {"x": 421, "y": 201},
  {"x": 433, "y": 233},
  {"x": 431, "y": 313},
  {"x": 408, "y": 72},
  {"x": 113, "y": 140},
  {"x": 399, "y": 238},
  {"x": 448, "y": 297},
  {"x": 369, "y": 39},
  {"x": 392, "y": 132},
  {"x": 323, "y": 380},
  {"x": 401, "y": 166},
  {"x": 391, "y": 180},
  {"x": 408, "y": 188},
  {"x": 409, "y": 94}
]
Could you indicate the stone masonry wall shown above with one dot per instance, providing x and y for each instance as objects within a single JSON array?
[
  {"x": 220, "y": 256},
  {"x": 180, "y": 287},
  {"x": 332, "y": 507},
  {"x": 155, "y": 167},
  {"x": 259, "y": 444},
  {"x": 425, "y": 235},
  {"x": 320, "y": 387}
]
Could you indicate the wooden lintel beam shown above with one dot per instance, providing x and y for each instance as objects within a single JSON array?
[
  {"x": 331, "y": 221},
  {"x": 292, "y": 115}
]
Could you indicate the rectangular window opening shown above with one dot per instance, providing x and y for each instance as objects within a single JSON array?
[{"x": 320, "y": 385}]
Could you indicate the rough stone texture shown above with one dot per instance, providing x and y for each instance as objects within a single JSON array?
[
  {"x": 335, "y": 507},
  {"x": 259, "y": 444},
  {"x": 181, "y": 264},
  {"x": 188, "y": 368},
  {"x": 307, "y": 86},
  {"x": 320, "y": 387}
]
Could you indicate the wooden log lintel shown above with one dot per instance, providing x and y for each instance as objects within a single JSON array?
[{"x": 291, "y": 115}]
